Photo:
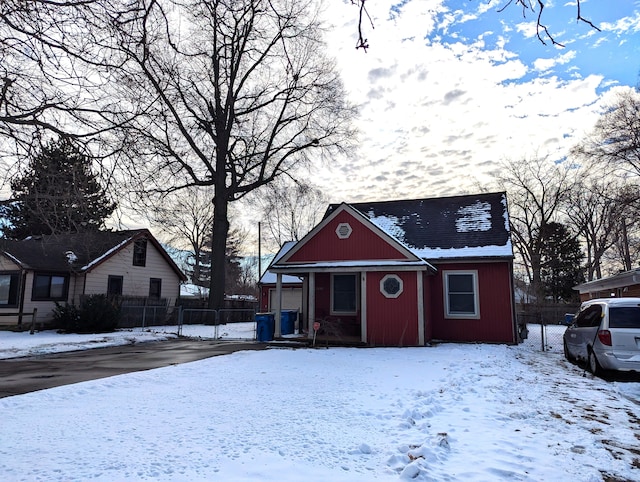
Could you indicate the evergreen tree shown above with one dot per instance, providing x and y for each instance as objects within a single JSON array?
[
  {"x": 58, "y": 193},
  {"x": 561, "y": 262},
  {"x": 199, "y": 265}
]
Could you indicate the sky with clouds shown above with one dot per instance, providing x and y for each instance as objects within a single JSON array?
[{"x": 449, "y": 88}]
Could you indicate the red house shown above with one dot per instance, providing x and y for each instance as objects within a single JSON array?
[{"x": 404, "y": 273}]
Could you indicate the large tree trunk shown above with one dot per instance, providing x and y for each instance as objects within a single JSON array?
[{"x": 218, "y": 251}]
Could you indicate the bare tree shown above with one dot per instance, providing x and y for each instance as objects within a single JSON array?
[
  {"x": 626, "y": 248},
  {"x": 290, "y": 209},
  {"x": 536, "y": 189},
  {"x": 186, "y": 221},
  {"x": 615, "y": 140},
  {"x": 595, "y": 211},
  {"x": 51, "y": 78},
  {"x": 528, "y": 7},
  {"x": 234, "y": 93}
]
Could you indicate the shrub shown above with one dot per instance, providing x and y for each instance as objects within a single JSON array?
[
  {"x": 96, "y": 314},
  {"x": 66, "y": 317}
]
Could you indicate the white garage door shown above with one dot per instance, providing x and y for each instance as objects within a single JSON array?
[{"x": 291, "y": 299}]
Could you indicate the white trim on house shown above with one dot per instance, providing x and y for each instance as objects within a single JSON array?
[
  {"x": 476, "y": 295},
  {"x": 363, "y": 306},
  {"x": 421, "y": 335},
  {"x": 357, "y": 215}
]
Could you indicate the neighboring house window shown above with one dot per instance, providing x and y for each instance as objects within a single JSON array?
[
  {"x": 391, "y": 286},
  {"x": 343, "y": 293},
  {"x": 49, "y": 287},
  {"x": 114, "y": 285},
  {"x": 9, "y": 283},
  {"x": 140, "y": 252},
  {"x": 461, "y": 294},
  {"x": 155, "y": 287}
]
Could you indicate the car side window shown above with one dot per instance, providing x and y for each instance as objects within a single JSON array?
[{"x": 590, "y": 316}]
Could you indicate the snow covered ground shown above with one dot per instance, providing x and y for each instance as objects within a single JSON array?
[
  {"x": 13, "y": 344},
  {"x": 450, "y": 412}
]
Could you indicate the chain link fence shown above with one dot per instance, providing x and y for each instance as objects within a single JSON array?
[
  {"x": 545, "y": 325},
  {"x": 190, "y": 318}
]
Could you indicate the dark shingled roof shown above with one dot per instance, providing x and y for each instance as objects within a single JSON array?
[
  {"x": 53, "y": 252},
  {"x": 468, "y": 226}
]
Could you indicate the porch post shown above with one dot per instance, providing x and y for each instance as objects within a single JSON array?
[
  {"x": 311, "y": 312},
  {"x": 305, "y": 307},
  {"x": 278, "y": 328},
  {"x": 420, "y": 309},
  {"x": 363, "y": 307}
]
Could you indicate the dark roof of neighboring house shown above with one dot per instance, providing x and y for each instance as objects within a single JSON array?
[
  {"x": 468, "y": 226},
  {"x": 79, "y": 252}
]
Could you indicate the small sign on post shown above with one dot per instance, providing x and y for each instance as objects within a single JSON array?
[{"x": 316, "y": 327}]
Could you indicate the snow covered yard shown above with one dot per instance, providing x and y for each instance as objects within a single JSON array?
[
  {"x": 21, "y": 344},
  {"x": 448, "y": 412}
]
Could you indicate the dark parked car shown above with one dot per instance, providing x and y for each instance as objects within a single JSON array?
[{"x": 605, "y": 334}]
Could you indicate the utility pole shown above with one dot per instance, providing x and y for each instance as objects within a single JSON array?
[{"x": 259, "y": 250}]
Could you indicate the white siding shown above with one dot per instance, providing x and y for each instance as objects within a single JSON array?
[
  {"x": 136, "y": 279},
  {"x": 7, "y": 265},
  {"x": 45, "y": 308}
]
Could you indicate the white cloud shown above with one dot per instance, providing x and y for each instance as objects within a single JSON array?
[
  {"x": 622, "y": 25},
  {"x": 435, "y": 118},
  {"x": 543, "y": 65},
  {"x": 528, "y": 29}
]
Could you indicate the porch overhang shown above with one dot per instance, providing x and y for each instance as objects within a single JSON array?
[{"x": 354, "y": 266}]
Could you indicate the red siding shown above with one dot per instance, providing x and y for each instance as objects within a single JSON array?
[
  {"x": 392, "y": 322},
  {"x": 323, "y": 295},
  {"x": 496, "y": 318},
  {"x": 428, "y": 281},
  {"x": 361, "y": 244},
  {"x": 323, "y": 300}
]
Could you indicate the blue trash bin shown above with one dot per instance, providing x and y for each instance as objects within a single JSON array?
[
  {"x": 265, "y": 326},
  {"x": 288, "y": 321}
]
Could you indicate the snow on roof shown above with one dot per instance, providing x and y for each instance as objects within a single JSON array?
[
  {"x": 269, "y": 277},
  {"x": 446, "y": 228},
  {"x": 475, "y": 217},
  {"x": 355, "y": 264},
  {"x": 105, "y": 255}
]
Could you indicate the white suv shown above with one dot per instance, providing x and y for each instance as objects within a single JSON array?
[{"x": 605, "y": 333}]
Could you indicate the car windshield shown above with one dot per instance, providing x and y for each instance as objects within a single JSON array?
[{"x": 624, "y": 317}]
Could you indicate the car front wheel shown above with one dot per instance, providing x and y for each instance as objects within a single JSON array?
[{"x": 594, "y": 366}]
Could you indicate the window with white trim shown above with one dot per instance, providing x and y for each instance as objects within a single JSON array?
[
  {"x": 391, "y": 286},
  {"x": 344, "y": 293},
  {"x": 461, "y": 294}
]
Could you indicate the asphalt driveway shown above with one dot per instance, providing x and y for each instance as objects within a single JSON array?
[{"x": 24, "y": 375}]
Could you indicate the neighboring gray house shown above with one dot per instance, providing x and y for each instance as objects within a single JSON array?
[
  {"x": 621, "y": 285},
  {"x": 39, "y": 271}
]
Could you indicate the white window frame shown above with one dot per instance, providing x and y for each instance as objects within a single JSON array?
[
  {"x": 357, "y": 300},
  {"x": 475, "y": 315},
  {"x": 391, "y": 295}
]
